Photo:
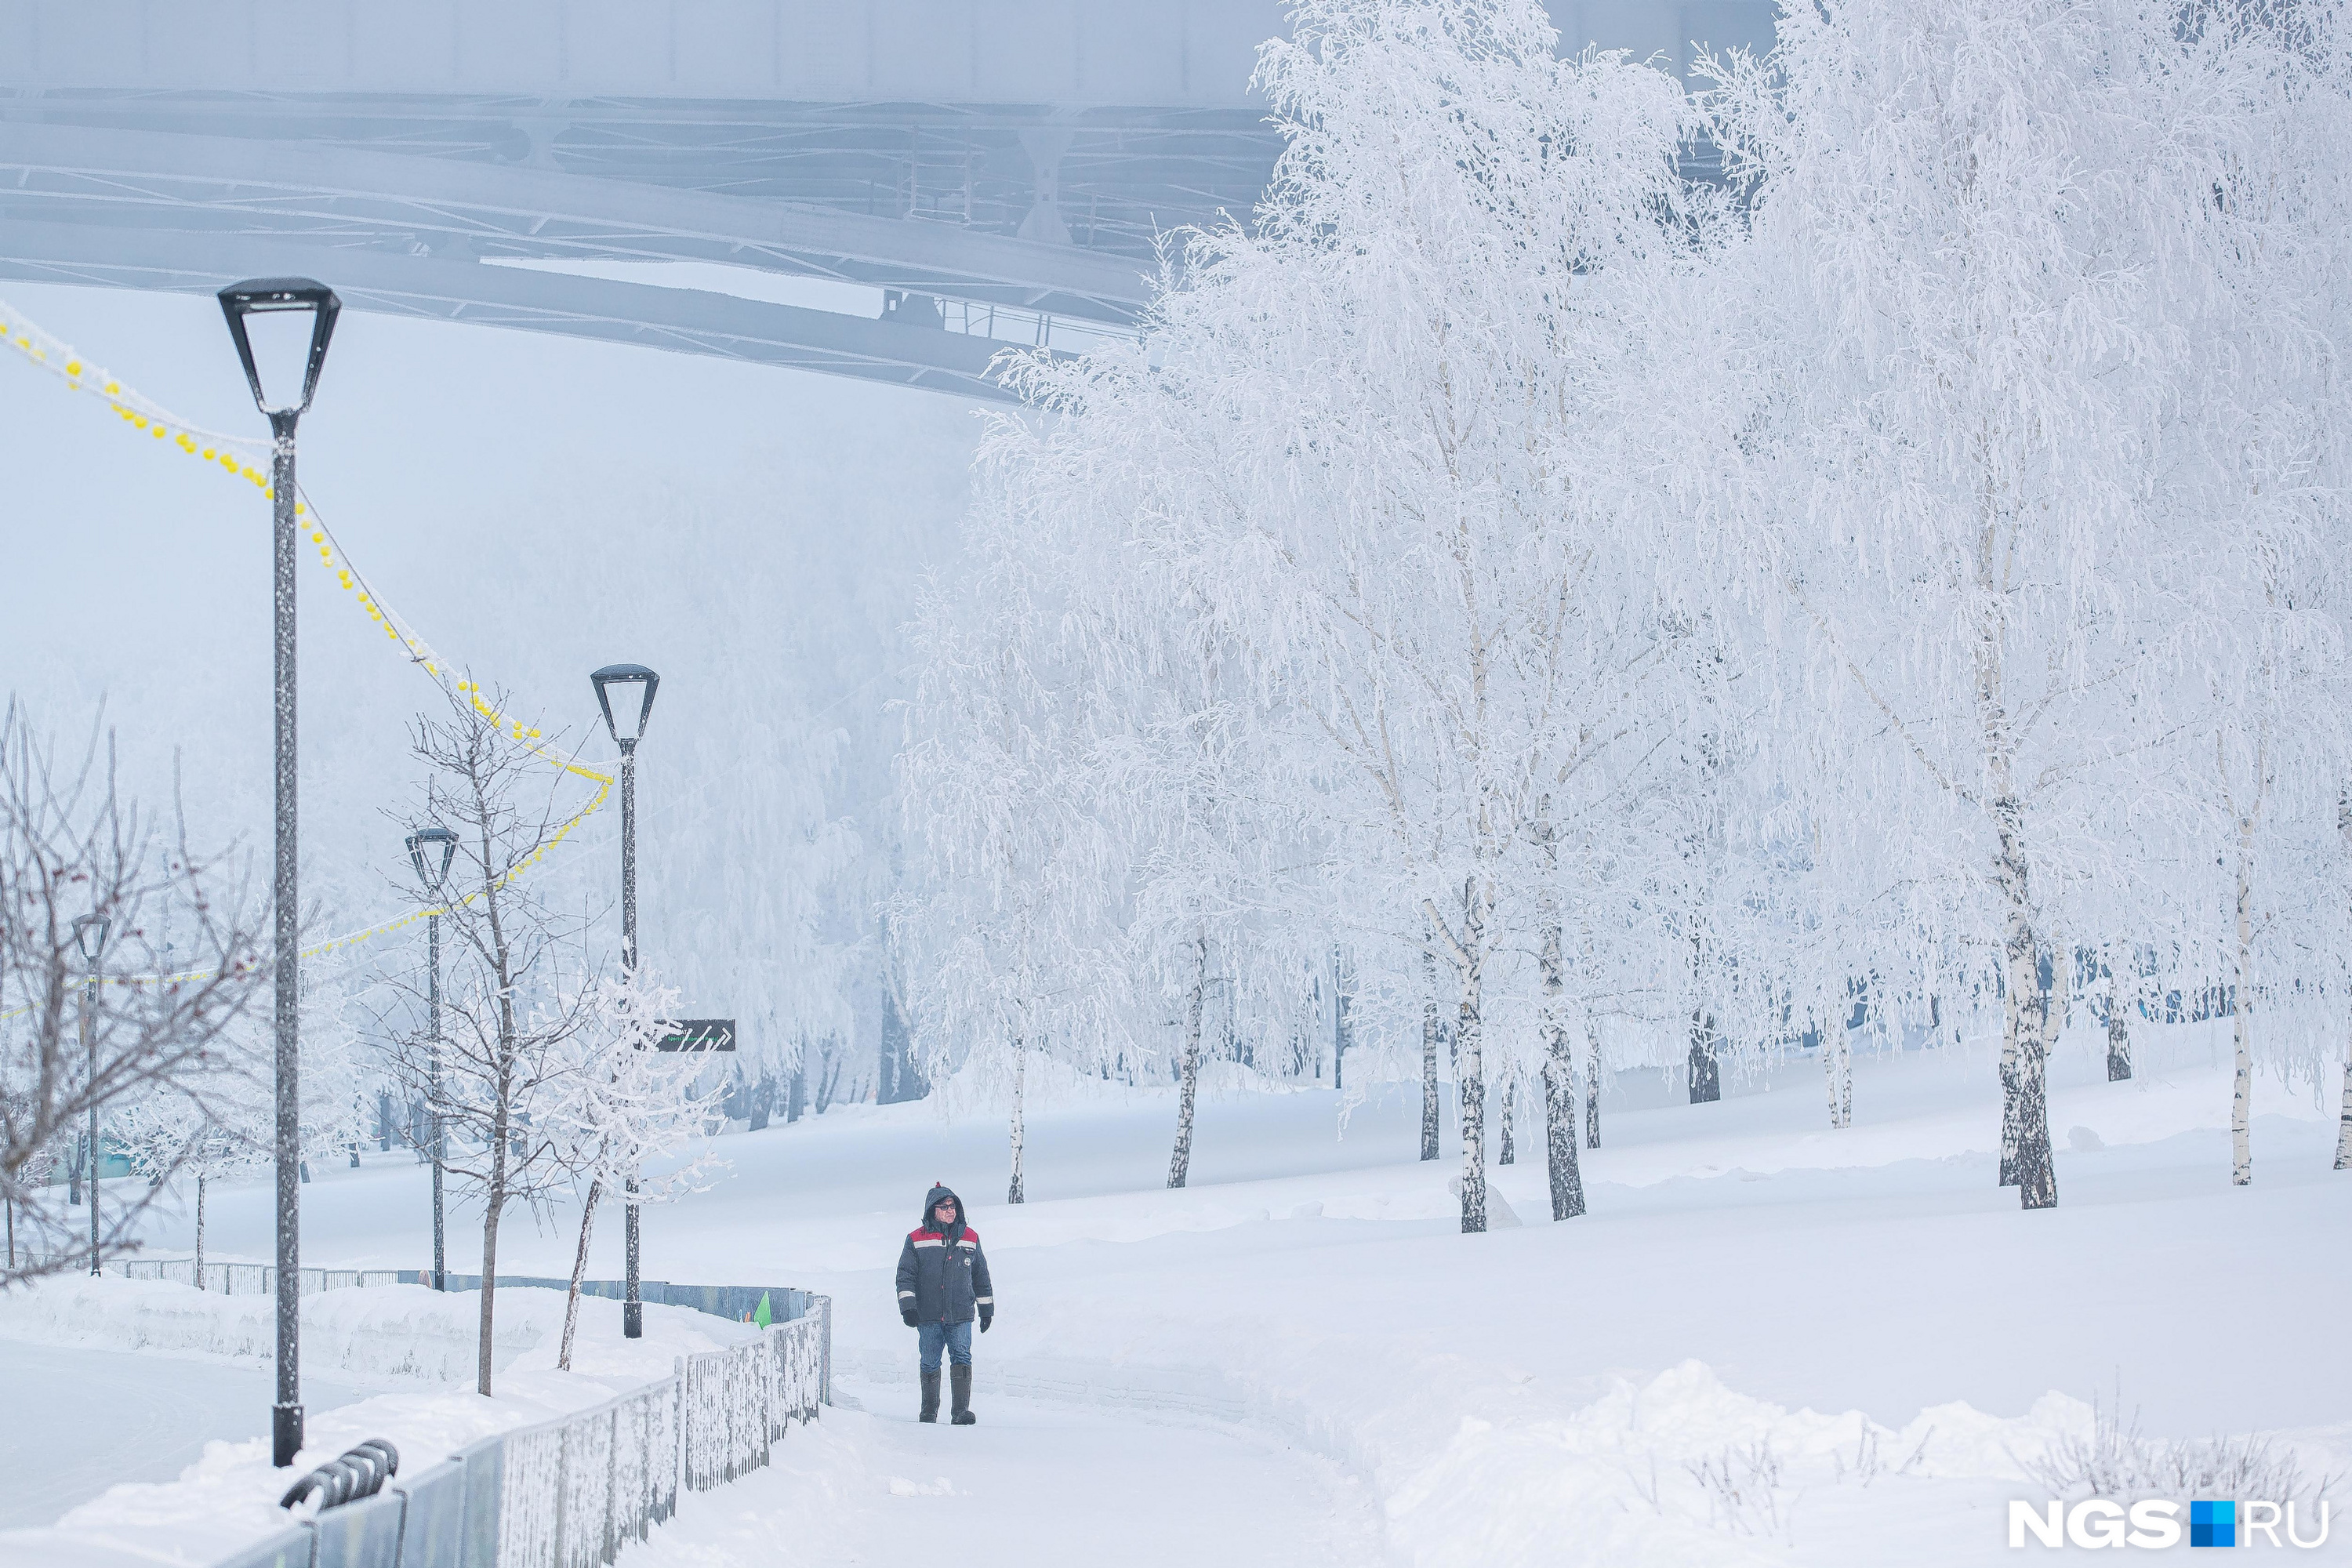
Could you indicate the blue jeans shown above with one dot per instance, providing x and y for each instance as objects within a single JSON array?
[{"x": 953, "y": 1338}]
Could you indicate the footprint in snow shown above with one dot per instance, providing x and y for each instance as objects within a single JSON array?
[{"x": 901, "y": 1486}]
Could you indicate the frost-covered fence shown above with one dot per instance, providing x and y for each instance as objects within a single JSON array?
[
  {"x": 224, "y": 1278},
  {"x": 571, "y": 1492},
  {"x": 740, "y": 1401},
  {"x": 245, "y": 1278}
]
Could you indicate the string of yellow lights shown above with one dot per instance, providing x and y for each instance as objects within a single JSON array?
[{"x": 248, "y": 459}]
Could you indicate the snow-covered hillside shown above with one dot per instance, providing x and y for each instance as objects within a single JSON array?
[{"x": 1860, "y": 1320}]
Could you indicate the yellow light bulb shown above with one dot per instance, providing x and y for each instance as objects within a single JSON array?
[{"x": 73, "y": 367}]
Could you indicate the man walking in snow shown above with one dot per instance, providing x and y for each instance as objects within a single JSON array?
[{"x": 942, "y": 1284}]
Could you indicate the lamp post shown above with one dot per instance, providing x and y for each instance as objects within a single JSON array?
[
  {"x": 429, "y": 851},
  {"x": 89, "y": 935},
  {"x": 269, "y": 301},
  {"x": 627, "y": 728}
]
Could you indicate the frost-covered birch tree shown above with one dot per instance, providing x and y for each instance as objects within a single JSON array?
[
  {"x": 632, "y": 1120},
  {"x": 1009, "y": 939},
  {"x": 1965, "y": 214}
]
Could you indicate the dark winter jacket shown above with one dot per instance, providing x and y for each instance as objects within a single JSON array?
[{"x": 942, "y": 1273}]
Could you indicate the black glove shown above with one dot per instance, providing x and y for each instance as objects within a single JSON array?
[
  {"x": 987, "y": 1316},
  {"x": 907, "y": 1318}
]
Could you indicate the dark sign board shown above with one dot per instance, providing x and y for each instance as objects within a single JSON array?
[{"x": 697, "y": 1035}]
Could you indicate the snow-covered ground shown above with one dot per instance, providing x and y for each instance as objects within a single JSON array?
[
  {"x": 1299, "y": 1358},
  {"x": 416, "y": 1347},
  {"x": 158, "y": 1414}
]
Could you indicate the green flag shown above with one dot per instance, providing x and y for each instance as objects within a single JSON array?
[{"x": 763, "y": 1316}]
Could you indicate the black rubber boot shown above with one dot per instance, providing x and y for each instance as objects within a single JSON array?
[
  {"x": 961, "y": 1377},
  {"x": 930, "y": 1397}
]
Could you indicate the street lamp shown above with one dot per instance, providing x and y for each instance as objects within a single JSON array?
[
  {"x": 89, "y": 935},
  {"x": 633, "y": 684},
  {"x": 275, "y": 306},
  {"x": 429, "y": 851}
]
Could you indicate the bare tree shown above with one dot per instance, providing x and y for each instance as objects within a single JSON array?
[
  {"x": 70, "y": 847},
  {"x": 509, "y": 1007}
]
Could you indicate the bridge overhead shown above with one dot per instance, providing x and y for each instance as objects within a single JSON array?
[{"x": 962, "y": 174}]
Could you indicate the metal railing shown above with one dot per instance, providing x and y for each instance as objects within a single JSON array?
[
  {"x": 573, "y": 1491},
  {"x": 245, "y": 1278}
]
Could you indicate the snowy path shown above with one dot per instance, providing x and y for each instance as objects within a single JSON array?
[
  {"x": 157, "y": 1415},
  {"x": 1034, "y": 1484}
]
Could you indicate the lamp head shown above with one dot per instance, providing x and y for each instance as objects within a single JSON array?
[
  {"x": 429, "y": 851},
  {"x": 634, "y": 685},
  {"x": 282, "y": 305},
  {"x": 89, "y": 935}
]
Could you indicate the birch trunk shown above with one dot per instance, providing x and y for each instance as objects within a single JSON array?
[
  {"x": 579, "y": 1272},
  {"x": 2242, "y": 1093},
  {"x": 1706, "y": 1071},
  {"x": 1837, "y": 1060},
  {"x": 1180, "y": 1164},
  {"x": 1560, "y": 1124},
  {"x": 1343, "y": 1028},
  {"x": 1469, "y": 1036},
  {"x": 1509, "y": 1154},
  {"x": 2025, "y": 1161},
  {"x": 1558, "y": 1072},
  {"x": 2248, "y": 821},
  {"x": 1592, "y": 1087},
  {"x": 2009, "y": 1097},
  {"x": 1469, "y": 954},
  {"x": 2025, "y": 1046},
  {"x": 2344, "y": 1119},
  {"x": 199, "y": 1231},
  {"x": 1020, "y": 1072},
  {"x": 1430, "y": 1116},
  {"x": 2120, "y": 1068}
]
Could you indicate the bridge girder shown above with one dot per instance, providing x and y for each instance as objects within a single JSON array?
[
  {"x": 224, "y": 185},
  {"x": 686, "y": 320},
  {"x": 1024, "y": 160}
]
